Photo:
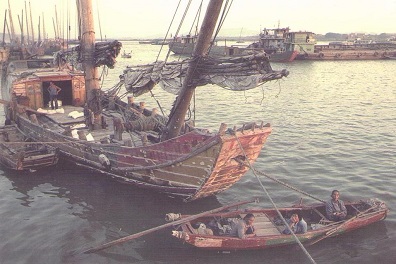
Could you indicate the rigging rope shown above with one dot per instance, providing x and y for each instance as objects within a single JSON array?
[{"x": 273, "y": 203}]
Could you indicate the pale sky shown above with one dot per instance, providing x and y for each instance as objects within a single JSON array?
[{"x": 151, "y": 18}]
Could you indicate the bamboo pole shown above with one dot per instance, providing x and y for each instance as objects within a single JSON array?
[
  {"x": 178, "y": 113},
  {"x": 178, "y": 222}
]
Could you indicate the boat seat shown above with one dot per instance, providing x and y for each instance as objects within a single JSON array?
[{"x": 263, "y": 225}]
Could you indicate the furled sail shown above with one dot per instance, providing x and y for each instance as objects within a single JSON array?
[{"x": 234, "y": 73}]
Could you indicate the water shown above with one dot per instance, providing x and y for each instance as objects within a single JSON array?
[{"x": 334, "y": 127}]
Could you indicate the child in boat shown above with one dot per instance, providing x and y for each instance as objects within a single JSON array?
[
  {"x": 243, "y": 228},
  {"x": 297, "y": 224}
]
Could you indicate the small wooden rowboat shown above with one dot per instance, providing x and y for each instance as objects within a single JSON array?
[
  {"x": 17, "y": 153},
  {"x": 208, "y": 232}
]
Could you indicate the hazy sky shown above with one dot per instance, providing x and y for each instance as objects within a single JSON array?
[{"x": 151, "y": 18}]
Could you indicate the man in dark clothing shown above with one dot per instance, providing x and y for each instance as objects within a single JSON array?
[{"x": 53, "y": 93}]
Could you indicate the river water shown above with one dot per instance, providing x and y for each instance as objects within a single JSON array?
[{"x": 334, "y": 127}]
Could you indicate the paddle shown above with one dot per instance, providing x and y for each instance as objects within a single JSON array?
[
  {"x": 187, "y": 219},
  {"x": 335, "y": 229}
]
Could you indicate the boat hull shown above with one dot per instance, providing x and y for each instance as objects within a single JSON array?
[
  {"x": 269, "y": 231},
  {"x": 191, "y": 166},
  {"x": 17, "y": 154}
]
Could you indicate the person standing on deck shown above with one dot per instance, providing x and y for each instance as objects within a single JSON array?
[
  {"x": 335, "y": 208},
  {"x": 53, "y": 93}
]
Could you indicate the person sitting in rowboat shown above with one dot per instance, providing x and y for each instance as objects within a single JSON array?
[
  {"x": 335, "y": 208},
  {"x": 243, "y": 228},
  {"x": 296, "y": 224}
]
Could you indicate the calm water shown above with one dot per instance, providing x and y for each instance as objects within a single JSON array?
[{"x": 334, "y": 126}]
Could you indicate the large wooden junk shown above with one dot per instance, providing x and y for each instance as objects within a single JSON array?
[{"x": 177, "y": 159}]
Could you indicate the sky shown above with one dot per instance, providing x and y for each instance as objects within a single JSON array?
[{"x": 152, "y": 18}]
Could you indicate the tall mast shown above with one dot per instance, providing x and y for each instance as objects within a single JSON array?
[
  {"x": 31, "y": 22},
  {"x": 4, "y": 26},
  {"x": 21, "y": 28},
  {"x": 44, "y": 33},
  {"x": 88, "y": 55},
  {"x": 179, "y": 110},
  {"x": 57, "y": 23},
  {"x": 38, "y": 30},
  {"x": 11, "y": 23},
  {"x": 27, "y": 25}
]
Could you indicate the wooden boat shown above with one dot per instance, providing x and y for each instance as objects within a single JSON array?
[
  {"x": 18, "y": 153},
  {"x": 269, "y": 226},
  {"x": 175, "y": 158},
  {"x": 126, "y": 55}
]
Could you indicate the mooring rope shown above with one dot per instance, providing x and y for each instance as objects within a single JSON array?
[
  {"x": 280, "y": 182},
  {"x": 273, "y": 203}
]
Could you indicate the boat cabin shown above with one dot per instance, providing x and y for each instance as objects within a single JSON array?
[{"x": 39, "y": 74}]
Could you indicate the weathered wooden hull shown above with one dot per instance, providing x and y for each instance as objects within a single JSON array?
[
  {"x": 270, "y": 235},
  {"x": 191, "y": 166},
  {"x": 16, "y": 154}
]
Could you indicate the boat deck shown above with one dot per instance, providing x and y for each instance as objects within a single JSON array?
[
  {"x": 264, "y": 226},
  {"x": 64, "y": 120}
]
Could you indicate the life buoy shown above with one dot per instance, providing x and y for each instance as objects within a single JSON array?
[
  {"x": 338, "y": 55},
  {"x": 359, "y": 54},
  {"x": 375, "y": 53},
  {"x": 321, "y": 55}
]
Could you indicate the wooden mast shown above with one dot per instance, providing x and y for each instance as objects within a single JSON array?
[
  {"x": 11, "y": 22},
  {"x": 178, "y": 113},
  {"x": 88, "y": 56},
  {"x": 27, "y": 25}
]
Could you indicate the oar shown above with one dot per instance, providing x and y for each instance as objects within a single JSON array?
[
  {"x": 335, "y": 229},
  {"x": 187, "y": 219}
]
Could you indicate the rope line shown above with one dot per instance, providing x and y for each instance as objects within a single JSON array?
[
  {"x": 280, "y": 182},
  {"x": 274, "y": 205}
]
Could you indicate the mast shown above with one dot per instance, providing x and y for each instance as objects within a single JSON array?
[
  {"x": 21, "y": 28},
  {"x": 27, "y": 25},
  {"x": 31, "y": 22},
  {"x": 53, "y": 23},
  {"x": 57, "y": 23},
  {"x": 38, "y": 30},
  {"x": 88, "y": 56},
  {"x": 11, "y": 22},
  {"x": 4, "y": 27},
  {"x": 178, "y": 113},
  {"x": 44, "y": 33}
]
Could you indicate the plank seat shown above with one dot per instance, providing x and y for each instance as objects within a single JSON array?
[{"x": 263, "y": 225}]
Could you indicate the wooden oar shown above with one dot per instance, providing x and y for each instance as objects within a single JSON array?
[
  {"x": 335, "y": 229},
  {"x": 187, "y": 219}
]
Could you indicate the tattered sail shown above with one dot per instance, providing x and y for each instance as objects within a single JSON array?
[{"x": 234, "y": 73}]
